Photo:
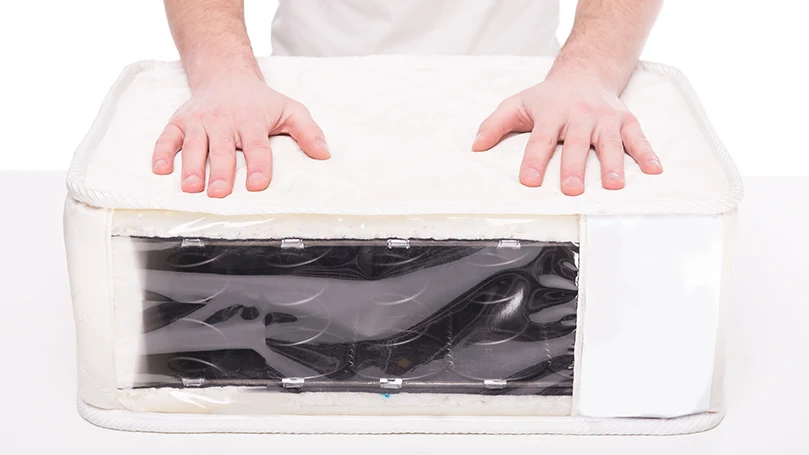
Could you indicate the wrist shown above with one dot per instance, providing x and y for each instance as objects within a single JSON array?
[
  {"x": 611, "y": 77},
  {"x": 584, "y": 60},
  {"x": 207, "y": 71}
]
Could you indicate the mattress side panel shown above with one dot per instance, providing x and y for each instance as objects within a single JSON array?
[
  {"x": 652, "y": 286},
  {"x": 87, "y": 240},
  {"x": 726, "y": 298}
]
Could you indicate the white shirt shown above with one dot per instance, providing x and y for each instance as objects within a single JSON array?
[{"x": 334, "y": 28}]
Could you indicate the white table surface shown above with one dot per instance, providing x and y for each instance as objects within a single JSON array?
[{"x": 767, "y": 359}]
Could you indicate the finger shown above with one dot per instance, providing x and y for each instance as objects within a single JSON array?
[
  {"x": 610, "y": 151},
  {"x": 639, "y": 148},
  {"x": 194, "y": 153},
  {"x": 574, "y": 157},
  {"x": 222, "y": 157},
  {"x": 507, "y": 118},
  {"x": 255, "y": 144},
  {"x": 541, "y": 146},
  {"x": 166, "y": 148},
  {"x": 300, "y": 125}
]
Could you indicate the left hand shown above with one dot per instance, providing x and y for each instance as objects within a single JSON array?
[{"x": 580, "y": 112}]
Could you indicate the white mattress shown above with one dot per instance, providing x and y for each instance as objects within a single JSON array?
[{"x": 652, "y": 258}]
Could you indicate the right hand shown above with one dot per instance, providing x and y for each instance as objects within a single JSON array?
[{"x": 228, "y": 113}]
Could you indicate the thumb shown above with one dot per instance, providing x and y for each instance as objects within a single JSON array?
[
  {"x": 507, "y": 118},
  {"x": 306, "y": 132}
]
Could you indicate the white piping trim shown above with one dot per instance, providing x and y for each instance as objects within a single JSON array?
[{"x": 280, "y": 424}]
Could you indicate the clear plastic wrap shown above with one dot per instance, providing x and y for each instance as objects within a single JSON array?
[{"x": 383, "y": 316}]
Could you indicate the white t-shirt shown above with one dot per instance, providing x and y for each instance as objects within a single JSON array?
[{"x": 334, "y": 28}]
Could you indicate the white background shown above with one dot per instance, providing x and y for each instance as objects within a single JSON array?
[{"x": 746, "y": 59}]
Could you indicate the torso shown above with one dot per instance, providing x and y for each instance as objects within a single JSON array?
[{"x": 333, "y": 28}]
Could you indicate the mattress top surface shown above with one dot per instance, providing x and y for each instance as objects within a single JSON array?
[{"x": 400, "y": 131}]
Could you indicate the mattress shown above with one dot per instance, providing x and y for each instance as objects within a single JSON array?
[{"x": 407, "y": 284}]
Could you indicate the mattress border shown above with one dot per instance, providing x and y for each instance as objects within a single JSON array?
[
  {"x": 99, "y": 197},
  {"x": 116, "y": 419}
]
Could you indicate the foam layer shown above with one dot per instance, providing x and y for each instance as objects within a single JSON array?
[
  {"x": 257, "y": 401},
  {"x": 152, "y": 223}
]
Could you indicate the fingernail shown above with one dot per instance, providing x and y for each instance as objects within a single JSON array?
[
  {"x": 159, "y": 164},
  {"x": 192, "y": 180},
  {"x": 573, "y": 182},
  {"x": 218, "y": 184},
  {"x": 655, "y": 164},
  {"x": 322, "y": 143},
  {"x": 479, "y": 135},
  {"x": 256, "y": 178},
  {"x": 614, "y": 176},
  {"x": 530, "y": 175}
]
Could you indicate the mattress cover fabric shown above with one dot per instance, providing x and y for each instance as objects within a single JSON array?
[{"x": 400, "y": 131}]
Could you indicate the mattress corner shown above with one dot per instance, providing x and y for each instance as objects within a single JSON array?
[
  {"x": 735, "y": 193},
  {"x": 76, "y": 178}
]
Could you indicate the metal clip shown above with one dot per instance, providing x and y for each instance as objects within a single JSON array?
[
  {"x": 495, "y": 384},
  {"x": 292, "y": 383},
  {"x": 193, "y": 382},
  {"x": 192, "y": 243},
  {"x": 391, "y": 383},
  {"x": 513, "y": 244},
  {"x": 292, "y": 243},
  {"x": 398, "y": 243}
]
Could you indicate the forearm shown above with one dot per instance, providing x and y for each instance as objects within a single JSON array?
[
  {"x": 211, "y": 38},
  {"x": 606, "y": 41}
]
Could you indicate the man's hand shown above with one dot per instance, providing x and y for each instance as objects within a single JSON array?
[
  {"x": 578, "y": 101},
  {"x": 231, "y": 106},
  {"x": 228, "y": 113},
  {"x": 581, "y": 113}
]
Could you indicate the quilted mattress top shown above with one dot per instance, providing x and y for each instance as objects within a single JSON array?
[{"x": 400, "y": 131}]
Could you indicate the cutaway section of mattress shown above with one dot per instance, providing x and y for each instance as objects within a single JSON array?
[{"x": 334, "y": 325}]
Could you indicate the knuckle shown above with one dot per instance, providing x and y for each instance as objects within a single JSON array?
[
  {"x": 641, "y": 145},
  {"x": 192, "y": 144},
  {"x": 256, "y": 144},
  {"x": 629, "y": 118},
  {"x": 583, "y": 108},
  {"x": 542, "y": 140},
  {"x": 177, "y": 121},
  {"x": 611, "y": 145},
  {"x": 251, "y": 119},
  {"x": 577, "y": 143},
  {"x": 608, "y": 112},
  {"x": 163, "y": 140},
  {"x": 297, "y": 108},
  {"x": 218, "y": 112},
  {"x": 222, "y": 149},
  {"x": 177, "y": 124},
  {"x": 290, "y": 128},
  {"x": 209, "y": 114}
]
